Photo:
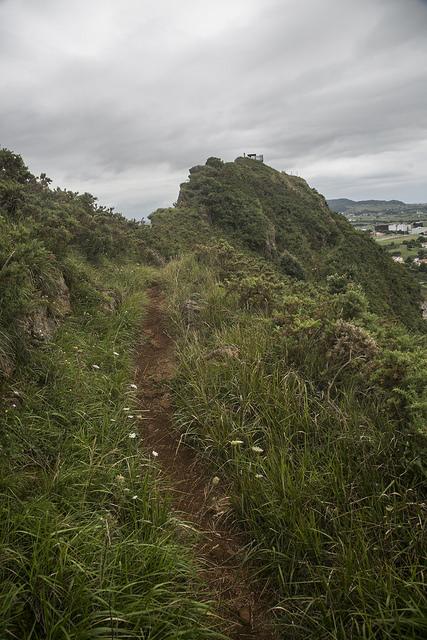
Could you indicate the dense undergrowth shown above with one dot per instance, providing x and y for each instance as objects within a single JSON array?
[{"x": 314, "y": 410}]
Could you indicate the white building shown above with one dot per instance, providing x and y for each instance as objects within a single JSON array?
[{"x": 402, "y": 228}]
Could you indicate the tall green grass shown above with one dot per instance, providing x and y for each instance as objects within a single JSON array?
[
  {"x": 88, "y": 546},
  {"x": 320, "y": 480}
]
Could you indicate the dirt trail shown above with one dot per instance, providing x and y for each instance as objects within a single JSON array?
[{"x": 220, "y": 548}]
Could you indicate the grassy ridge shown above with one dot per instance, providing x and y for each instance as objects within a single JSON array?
[
  {"x": 324, "y": 459},
  {"x": 279, "y": 217},
  {"x": 87, "y": 544}
]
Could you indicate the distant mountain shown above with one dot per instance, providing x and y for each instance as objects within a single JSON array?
[{"x": 358, "y": 207}]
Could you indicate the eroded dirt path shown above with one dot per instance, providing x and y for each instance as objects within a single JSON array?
[{"x": 220, "y": 548}]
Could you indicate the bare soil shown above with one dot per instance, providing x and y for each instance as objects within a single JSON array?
[{"x": 240, "y": 601}]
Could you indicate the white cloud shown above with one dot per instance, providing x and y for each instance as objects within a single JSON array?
[{"x": 121, "y": 98}]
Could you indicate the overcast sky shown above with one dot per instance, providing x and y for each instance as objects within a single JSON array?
[{"x": 121, "y": 97}]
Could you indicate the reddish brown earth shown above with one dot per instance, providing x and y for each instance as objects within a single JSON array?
[{"x": 239, "y": 600}]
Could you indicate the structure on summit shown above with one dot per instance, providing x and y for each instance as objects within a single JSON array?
[{"x": 254, "y": 156}]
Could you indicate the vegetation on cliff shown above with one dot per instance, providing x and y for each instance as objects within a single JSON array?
[{"x": 281, "y": 218}]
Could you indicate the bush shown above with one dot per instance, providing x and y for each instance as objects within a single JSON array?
[
  {"x": 257, "y": 292},
  {"x": 291, "y": 266}
]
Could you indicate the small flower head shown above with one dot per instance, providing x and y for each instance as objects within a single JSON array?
[
  {"x": 95, "y": 366},
  {"x": 257, "y": 450},
  {"x": 133, "y": 386},
  {"x": 154, "y": 454},
  {"x": 235, "y": 443},
  {"x": 215, "y": 481},
  {"x": 132, "y": 435}
]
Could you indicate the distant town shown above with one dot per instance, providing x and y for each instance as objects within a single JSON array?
[{"x": 400, "y": 228}]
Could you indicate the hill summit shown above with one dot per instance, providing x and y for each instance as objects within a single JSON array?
[{"x": 279, "y": 217}]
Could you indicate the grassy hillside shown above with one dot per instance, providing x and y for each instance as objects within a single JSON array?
[
  {"x": 282, "y": 219},
  {"x": 89, "y": 546},
  {"x": 47, "y": 239},
  {"x": 313, "y": 414},
  {"x": 298, "y": 383}
]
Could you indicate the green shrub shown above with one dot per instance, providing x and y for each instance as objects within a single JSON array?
[
  {"x": 291, "y": 266},
  {"x": 257, "y": 292}
]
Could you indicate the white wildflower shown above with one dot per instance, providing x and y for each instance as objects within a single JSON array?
[
  {"x": 95, "y": 366},
  {"x": 133, "y": 386},
  {"x": 257, "y": 450},
  {"x": 154, "y": 453},
  {"x": 126, "y": 408},
  {"x": 120, "y": 478},
  {"x": 236, "y": 442},
  {"x": 115, "y": 353},
  {"x": 134, "y": 497},
  {"x": 259, "y": 475},
  {"x": 129, "y": 416},
  {"x": 132, "y": 435}
]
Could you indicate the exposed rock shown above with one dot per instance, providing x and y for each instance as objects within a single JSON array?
[
  {"x": 40, "y": 325},
  {"x": 112, "y": 300},
  {"x": 61, "y": 305},
  {"x": 190, "y": 309}
]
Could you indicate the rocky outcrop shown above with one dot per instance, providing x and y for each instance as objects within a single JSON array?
[{"x": 41, "y": 323}]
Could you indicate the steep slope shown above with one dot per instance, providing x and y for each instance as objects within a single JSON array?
[{"x": 279, "y": 217}]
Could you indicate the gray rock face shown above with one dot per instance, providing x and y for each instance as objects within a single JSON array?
[
  {"x": 190, "y": 309},
  {"x": 61, "y": 305},
  {"x": 41, "y": 324},
  {"x": 111, "y": 300}
]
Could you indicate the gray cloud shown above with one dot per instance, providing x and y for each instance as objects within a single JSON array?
[{"x": 121, "y": 98}]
